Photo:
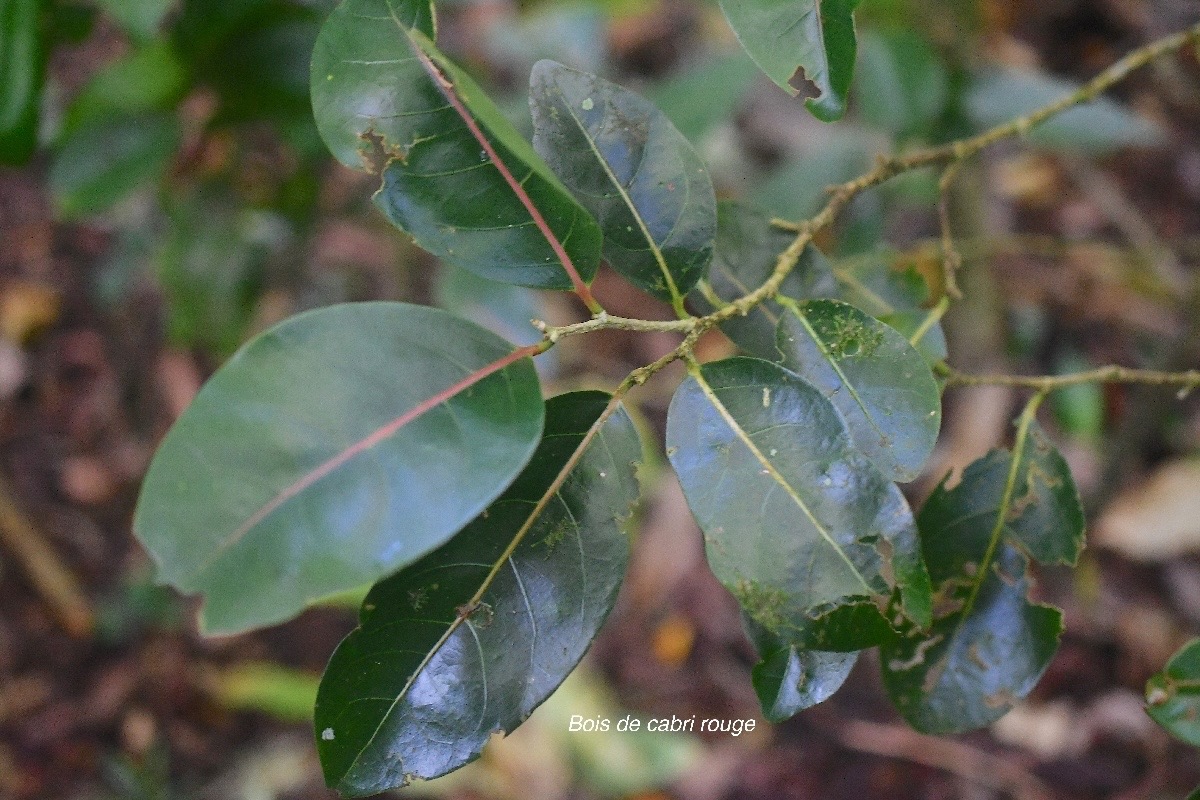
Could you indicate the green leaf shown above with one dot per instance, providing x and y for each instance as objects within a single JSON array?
[
  {"x": 901, "y": 85},
  {"x": 386, "y": 99},
  {"x": 473, "y": 637},
  {"x": 1103, "y": 125},
  {"x": 22, "y": 63},
  {"x": 141, "y": 18},
  {"x": 747, "y": 248},
  {"x": 881, "y": 385},
  {"x": 990, "y": 643},
  {"x": 804, "y": 531},
  {"x": 148, "y": 79},
  {"x": 630, "y": 167},
  {"x": 816, "y": 36},
  {"x": 99, "y": 164},
  {"x": 722, "y": 81},
  {"x": 1173, "y": 695},
  {"x": 335, "y": 448},
  {"x": 789, "y": 679}
]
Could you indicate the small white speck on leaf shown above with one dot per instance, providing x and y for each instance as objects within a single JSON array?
[
  {"x": 327, "y": 734},
  {"x": 766, "y": 397},
  {"x": 587, "y": 104}
]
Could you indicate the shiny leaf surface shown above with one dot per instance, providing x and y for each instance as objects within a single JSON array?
[
  {"x": 630, "y": 167},
  {"x": 881, "y": 385},
  {"x": 805, "y": 532},
  {"x": 816, "y": 36},
  {"x": 385, "y": 99},
  {"x": 470, "y": 639},
  {"x": 333, "y": 449}
]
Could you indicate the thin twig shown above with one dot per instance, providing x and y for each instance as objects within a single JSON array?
[
  {"x": 1186, "y": 381},
  {"x": 969, "y": 763},
  {"x": 46, "y": 572}
]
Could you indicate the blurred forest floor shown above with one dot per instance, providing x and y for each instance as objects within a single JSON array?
[{"x": 1073, "y": 259}]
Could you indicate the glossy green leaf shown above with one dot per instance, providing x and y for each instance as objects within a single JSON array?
[
  {"x": 22, "y": 65},
  {"x": 990, "y": 643},
  {"x": 789, "y": 679},
  {"x": 101, "y": 163},
  {"x": 503, "y": 309},
  {"x": 1103, "y": 125},
  {"x": 1173, "y": 695},
  {"x": 747, "y": 248},
  {"x": 805, "y": 532},
  {"x": 335, "y": 448},
  {"x": 473, "y": 637},
  {"x": 882, "y": 386},
  {"x": 630, "y": 167},
  {"x": 816, "y": 36},
  {"x": 456, "y": 175}
]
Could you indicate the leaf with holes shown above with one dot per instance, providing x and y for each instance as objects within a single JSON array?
[
  {"x": 989, "y": 643},
  {"x": 455, "y": 173},
  {"x": 816, "y": 36},
  {"x": 335, "y": 448},
  {"x": 881, "y": 385},
  {"x": 1173, "y": 695},
  {"x": 813, "y": 541},
  {"x": 630, "y": 167},
  {"x": 473, "y": 637}
]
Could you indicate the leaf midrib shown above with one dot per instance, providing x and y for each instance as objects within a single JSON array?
[
  {"x": 637, "y": 216},
  {"x": 767, "y": 465},
  {"x": 538, "y": 509}
]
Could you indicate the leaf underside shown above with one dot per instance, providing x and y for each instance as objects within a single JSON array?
[
  {"x": 989, "y": 643},
  {"x": 807, "y": 534},
  {"x": 331, "y": 450},
  {"x": 628, "y": 165},
  {"x": 386, "y": 99},
  {"x": 816, "y": 36},
  {"x": 470, "y": 639}
]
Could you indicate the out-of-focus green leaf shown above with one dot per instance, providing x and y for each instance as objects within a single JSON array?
[
  {"x": 1079, "y": 409},
  {"x": 148, "y": 79},
  {"x": 140, "y": 18},
  {"x": 101, "y": 163},
  {"x": 283, "y": 693},
  {"x": 799, "y": 187},
  {"x": 989, "y": 643},
  {"x": 211, "y": 268},
  {"x": 721, "y": 81},
  {"x": 803, "y": 529},
  {"x": 473, "y": 637},
  {"x": 1173, "y": 695},
  {"x": 22, "y": 65},
  {"x": 901, "y": 85},
  {"x": 386, "y": 99},
  {"x": 331, "y": 450},
  {"x": 628, "y": 165},
  {"x": 816, "y": 36},
  {"x": 998, "y": 95},
  {"x": 882, "y": 386}
]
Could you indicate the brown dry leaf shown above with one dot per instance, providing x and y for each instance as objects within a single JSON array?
[
  {"x": 1158, "y": 519},
  {"x": 26, "y": 309}
]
